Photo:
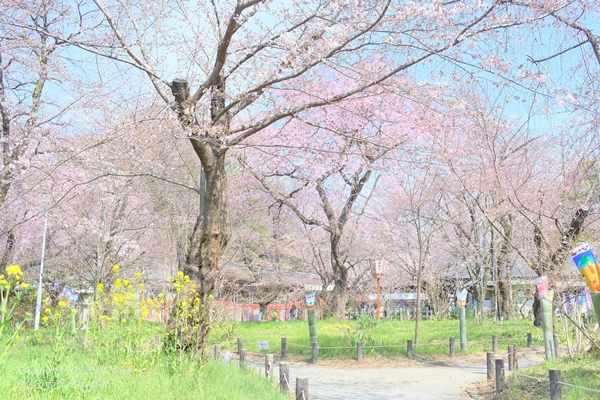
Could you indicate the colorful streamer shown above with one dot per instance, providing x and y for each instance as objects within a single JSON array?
[{"x": 586, "y": 263}]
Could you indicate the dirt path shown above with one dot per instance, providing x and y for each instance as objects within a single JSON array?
[{"x": 394, "y": 378}]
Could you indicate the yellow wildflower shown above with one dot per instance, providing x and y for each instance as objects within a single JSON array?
[
  {"x": 48, "y": 310},
  {"x": 73, "y": 311},
  {"x": 123, "y": 320},
  {"x": 118, "y": 283},
  {"x": 116, "y": 268},
  {"x": 161, "y": 296},
  {"x": 62, "y": 304},
  {"x": 186, "y": 279},
  {"x": 17, "y": 337},
  {"x": 45, "y": 319},
  {"x": 14, "y": 270},
  {"x": 126, "y": 282},
  {"x": 138, "y": 275},
  {"x": 179, "y": 274},
  {"x": 24, "y": 285},
  {"x": 100, "y": 288}
]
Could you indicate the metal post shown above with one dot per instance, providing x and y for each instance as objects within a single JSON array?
[
  {"x": 38, "y": 303},
  {"x": 378, "y": 297},
  {"x": 409, "y": 350},
  {"x": 529, "y": 341}
]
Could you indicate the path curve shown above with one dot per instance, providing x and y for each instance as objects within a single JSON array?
[{"x": 395, "y": 378}]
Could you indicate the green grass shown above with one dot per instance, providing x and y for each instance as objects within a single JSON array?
[
  {"x": 338, "y": 338},
  {"x": 583, "y": 372},
  {"x": 122, "y": 363}
]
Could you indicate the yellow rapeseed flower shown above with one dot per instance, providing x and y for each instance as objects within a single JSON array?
[
  {"x": 179, "y": 274},
  {"x": 161, "y": 296},
  {"x": 126, "y": 282},
  {"x": 138, "y": 275},
  {"x": 24, "y": 285},
  {"x": 100, "y": 288},
  {"x": 116, "y": 268},
  {"x": 45, "y": 319},
  {"x": 73, "y": 311},
  {"x": 118, "y": 283},
  {"x": 62, "y": 304},
  {"x": 14, "y": 270}
]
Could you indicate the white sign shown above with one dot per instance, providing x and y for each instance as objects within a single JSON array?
[
  {"x": 315, "y": 288},
  {"x": 263, "y": 345}
]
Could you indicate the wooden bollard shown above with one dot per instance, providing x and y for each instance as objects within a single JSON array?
[
  {"x": 268, "y": 365},
  {"x": 283, "y": 347},
  {"x": 515, "y": 365},
  {"x": 555, "y": 386},
  {"x": 555, "y": 337},
  {"x": 499, "y": 370},
  {"x": 239, "y": 344},
  {"x": 315, "y": 353},
  {"x": 495, "y": 343},
  {"x": 452, "y": 346},
  {"x": 359, "y": 351},
  {"x": 301, "y": 388},
  {"x": 284, "y": 373},
  {"x": 242, "y": 357},
  {"x": 529, "y": 341},
  {"x": 490, "y": 365},
  {"x": 409, "y": 352},
  {"x": 511, "y": 354},
  {"x": 217, "y": 351}
]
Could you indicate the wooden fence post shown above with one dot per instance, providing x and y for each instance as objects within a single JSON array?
[
  {"x": 490, "y": 366},
  {"x": 555, "y": 386},
  {"x": 529, "y": 341},
  {"x": 268, "y": 365},
  {"x": 315, "y": 353},
  {"x": 284, "y": 373},
  {"x": 555, "y": 337},
  {"x": 239, "y": 344},
  {"x": 409, "y": 352},
  {"x": 515, "y": 365},
  {"x": 217, "y": 351},
  {"x": 499, "y": 370},
  {"x": 283, "y": 347},
  {"x": 359, "y": 351},
  {"x": 242, "y": 357},
  {"x": 301, "y": 388},
  {"x": 495, "y": 343},
  {"x": 452, "y": 346},
  {"x": 511, "y": 354}
]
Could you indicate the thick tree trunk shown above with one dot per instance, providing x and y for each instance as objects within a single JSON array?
[{"x": 337, "y": 305}]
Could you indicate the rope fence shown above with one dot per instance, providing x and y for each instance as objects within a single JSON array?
[{"x": 554, "y": 377}]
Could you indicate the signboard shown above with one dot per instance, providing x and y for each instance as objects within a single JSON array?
[
  {"x": 263, "y": 345},
  {"x": 317, "y": 288}
]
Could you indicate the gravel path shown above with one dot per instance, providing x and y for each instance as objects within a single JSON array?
[{"x": 394, "y": 378}]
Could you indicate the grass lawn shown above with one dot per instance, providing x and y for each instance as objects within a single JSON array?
[{"x": 383, "y": 338}]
